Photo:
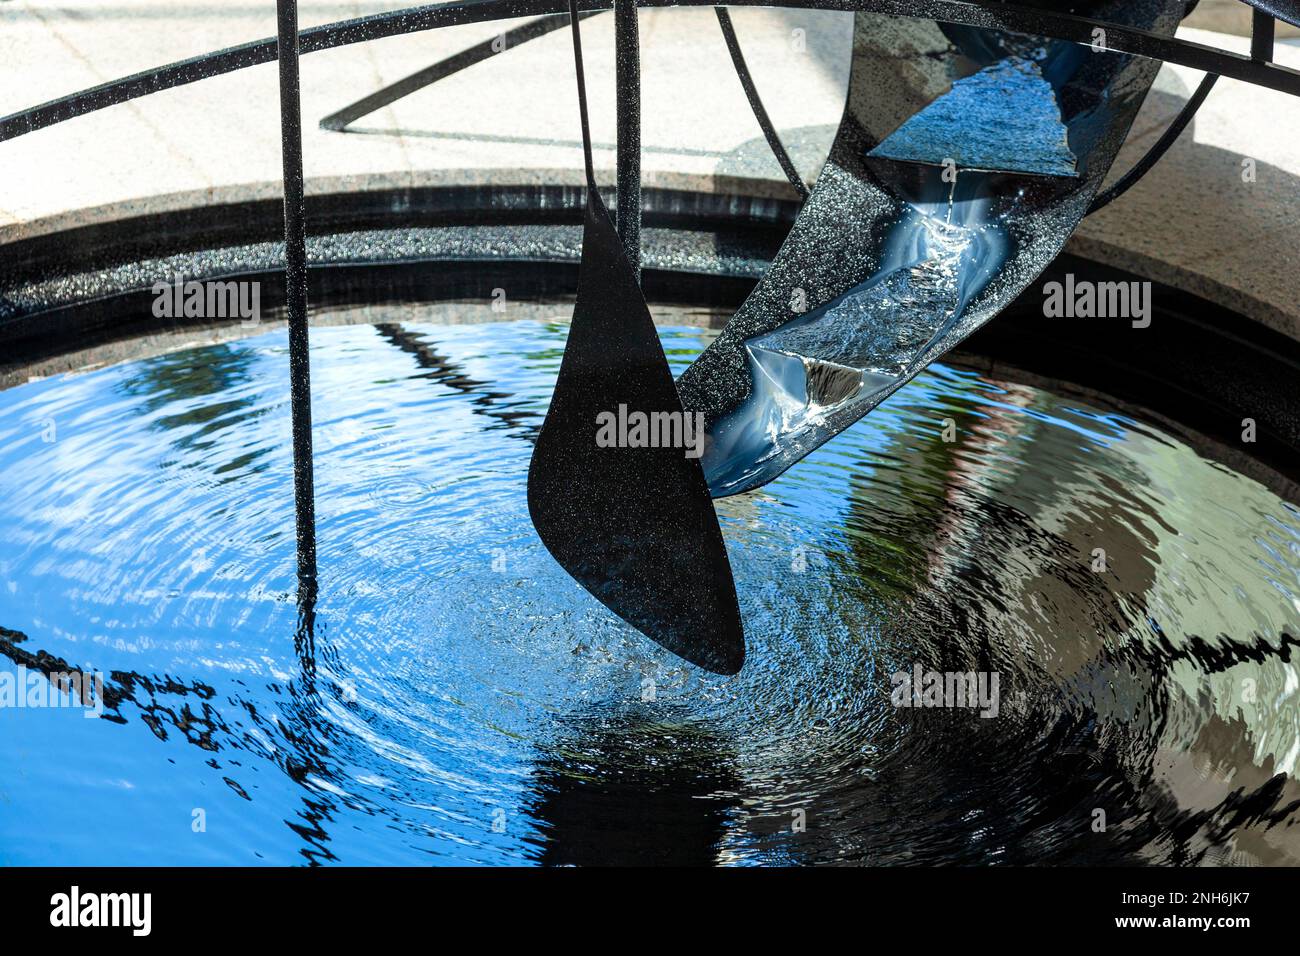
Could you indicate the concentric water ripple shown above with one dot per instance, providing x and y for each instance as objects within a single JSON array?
[{"x": 462, "y": 700}]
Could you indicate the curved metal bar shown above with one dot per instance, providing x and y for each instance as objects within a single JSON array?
[
  {"x": 339, "y": 120},
  {"x": 1009, "y": 18},
  {"x": 1158, "y": 149},
  {"x": 756, "y": 103},
  {"x": 255, "y": 52}
]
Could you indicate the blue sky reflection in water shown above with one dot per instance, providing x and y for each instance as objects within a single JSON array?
[{"x": 471, "y": 703}]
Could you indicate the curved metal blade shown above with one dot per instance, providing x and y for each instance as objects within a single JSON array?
[
  {"x": 620, "y": 500},
  {"x": 1287, "y": 10},
  {"x": 891, "y": 263}
]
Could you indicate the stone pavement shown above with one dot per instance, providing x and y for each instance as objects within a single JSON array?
[{"x": 1193, "y": 222}]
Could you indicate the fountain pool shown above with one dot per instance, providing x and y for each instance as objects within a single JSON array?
[{"x": 462, "y": 700}]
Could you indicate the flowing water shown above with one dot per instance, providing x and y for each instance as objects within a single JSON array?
[
  {"x": 462, "y": 700},
  {"x": 850, "y": 352},
  {"x": 817, "y": 372},
  {"x": 1003, "y": 117}
]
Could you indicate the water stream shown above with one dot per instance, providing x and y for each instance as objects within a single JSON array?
[
  {"x": 854, "y": 349},
  {"x": 936, "y": 257}
]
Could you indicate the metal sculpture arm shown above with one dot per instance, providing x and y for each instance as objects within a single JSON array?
[
  {"x": 1161, "y": 146},
  {"x": 449, "y": 66},
  {"x": 1007, "y": 17},
  {"x": 756, "y": 103}
]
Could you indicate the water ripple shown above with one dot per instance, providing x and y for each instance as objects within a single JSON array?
[{"x": 462, "y": 700}]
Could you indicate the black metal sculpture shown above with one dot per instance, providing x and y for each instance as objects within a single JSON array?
[
  {"x": 1009, "y": 17},
  {"x": 295, "y": 251},
  {"x": 630, "y": 518},
  {"x": 634, "y": 524},
  {"x": 898, "y": 255}
]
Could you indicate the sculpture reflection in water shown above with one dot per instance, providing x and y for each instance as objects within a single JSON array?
[
  {"x": 441, "y": 694},
  {"x": 950, "y": 186}
]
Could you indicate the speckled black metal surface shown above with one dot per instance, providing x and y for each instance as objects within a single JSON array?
[
  {"x": 900, "y": 65},
  {"x": 631, "y": 521},
  {"x": 1288, "y": 10},
  {"x": 689, "y": 230},
  {"x": 1254, "y": 368}
]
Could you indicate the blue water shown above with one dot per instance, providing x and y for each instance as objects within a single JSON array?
[
  {"x": 464, "y": 701},
  {"x": 1004, "y": 117}
]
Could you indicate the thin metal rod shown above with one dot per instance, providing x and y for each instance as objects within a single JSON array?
[
  {"x": 756, "y": 103},
  {"x": 1171, "y": 133},
  {"x": 627, "y": 84},
  {"x": 444, "y": 68},
  {"x": 295, "y": 254},
  {"x": 995, "y": 16},
  {"x": 582, "y": 95}
]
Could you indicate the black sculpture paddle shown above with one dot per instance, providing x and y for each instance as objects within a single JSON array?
[{"x": 615, "y": 487}]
